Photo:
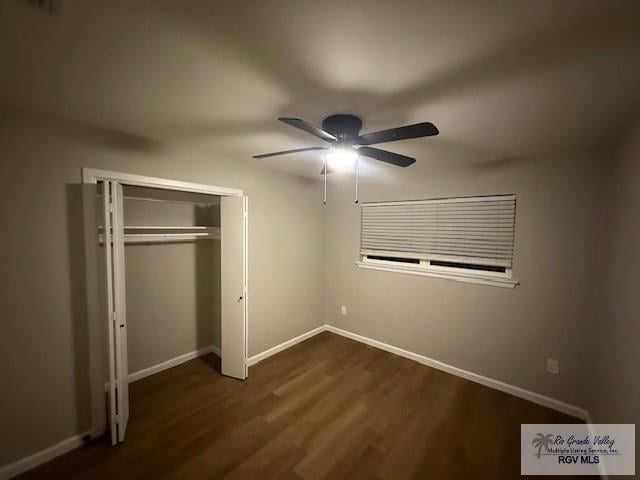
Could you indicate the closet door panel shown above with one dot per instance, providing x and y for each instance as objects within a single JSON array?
[
  {"x": 111, "y": 308},
  {"x": 120, "y": 327},
  {"x": 233, "y": 242}
]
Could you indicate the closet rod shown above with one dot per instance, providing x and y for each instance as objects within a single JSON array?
[
  {"x": 166, "y": 235},
  {"x": 158, "y": 227},
  {"x": 165, "y": 238}
]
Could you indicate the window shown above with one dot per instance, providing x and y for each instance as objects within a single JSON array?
[{"x": 469, "y": 239}]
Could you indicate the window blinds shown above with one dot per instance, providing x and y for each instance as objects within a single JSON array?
[{"x": 473, "y": 230}]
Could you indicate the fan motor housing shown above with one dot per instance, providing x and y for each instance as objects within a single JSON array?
[{"x": 344, "y": 127}]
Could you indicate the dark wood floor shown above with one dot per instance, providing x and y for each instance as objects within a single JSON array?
[{"x": 326, "y": 408}]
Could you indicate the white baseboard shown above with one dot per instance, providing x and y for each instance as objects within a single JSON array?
[
  {"x": 65, "y": 446},
  {"x": 38, "y": 458},
  {"x": 173, "y": 362},
  {"x": 534, "y": 397},
  {"x": 284, "y": 345},
  {"x": 21, "y": 466},
  {"x": 543, "y": 400}
]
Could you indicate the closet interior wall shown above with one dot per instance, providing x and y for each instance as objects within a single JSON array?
[{"x": 172, "y": 287}]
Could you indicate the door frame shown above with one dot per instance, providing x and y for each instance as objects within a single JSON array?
[{"x": 90, "y": 179}]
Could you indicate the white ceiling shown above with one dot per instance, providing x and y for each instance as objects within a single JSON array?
[{"x": 499, "y": 79}]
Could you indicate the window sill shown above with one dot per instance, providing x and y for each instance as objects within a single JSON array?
[{"x": 456, "y": 276}]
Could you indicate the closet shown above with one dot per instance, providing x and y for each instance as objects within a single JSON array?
[
  {"x": 167, "y": 265},
  {"x": 172, "y": 276}
]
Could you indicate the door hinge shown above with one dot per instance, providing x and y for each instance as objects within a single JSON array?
[
  {"x": 113, "y": 317},
  {"x": 116, "y": 418}
]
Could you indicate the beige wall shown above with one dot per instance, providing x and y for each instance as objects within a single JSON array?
[
  {"x": 615, "y": 355},
  {"x": 170, "y": 301},
  {"x": 45, "y": 394},
  {"x": 499, "y": 333}
]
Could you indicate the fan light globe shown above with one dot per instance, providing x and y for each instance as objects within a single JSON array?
[{"x": 341, "y": 157}]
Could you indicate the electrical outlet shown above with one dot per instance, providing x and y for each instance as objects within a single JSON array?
[
  {"x": 553, "y": 366},
  {"x": 343, "y": 310}
]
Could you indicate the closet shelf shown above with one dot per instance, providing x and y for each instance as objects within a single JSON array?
[{"x": 175, "y": 202}]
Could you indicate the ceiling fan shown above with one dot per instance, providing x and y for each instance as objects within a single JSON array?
[{"x": 347, "y": 145}]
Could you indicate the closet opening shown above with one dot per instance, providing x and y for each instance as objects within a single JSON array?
[{"x": 167, "y": 279}]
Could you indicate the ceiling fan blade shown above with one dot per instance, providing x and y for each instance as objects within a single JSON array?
[
  {"x": 307, "y": 127},
  {"x": 284, "y": 152},
  {"x": 425, "y": 129},
  {"x": 385, "y": 156}
]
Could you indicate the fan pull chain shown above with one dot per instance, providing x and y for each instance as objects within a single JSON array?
[
  {"x": 324, "y": 201},
  {"x": 357, "y": 172}
]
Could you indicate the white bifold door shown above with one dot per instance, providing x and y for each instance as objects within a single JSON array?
[
  {"x": 113, "y": 242},
  {"x": 233, "y": 247},
  {"x": 233, "y": 231}
]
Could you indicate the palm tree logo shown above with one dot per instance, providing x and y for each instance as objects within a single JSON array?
[{"x": 542, "y": 441}]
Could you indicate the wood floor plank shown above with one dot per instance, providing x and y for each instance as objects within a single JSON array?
[{"x": 328, "y": 408}]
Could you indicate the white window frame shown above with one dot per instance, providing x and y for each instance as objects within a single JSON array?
[{"x": 425, "y": 268}]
